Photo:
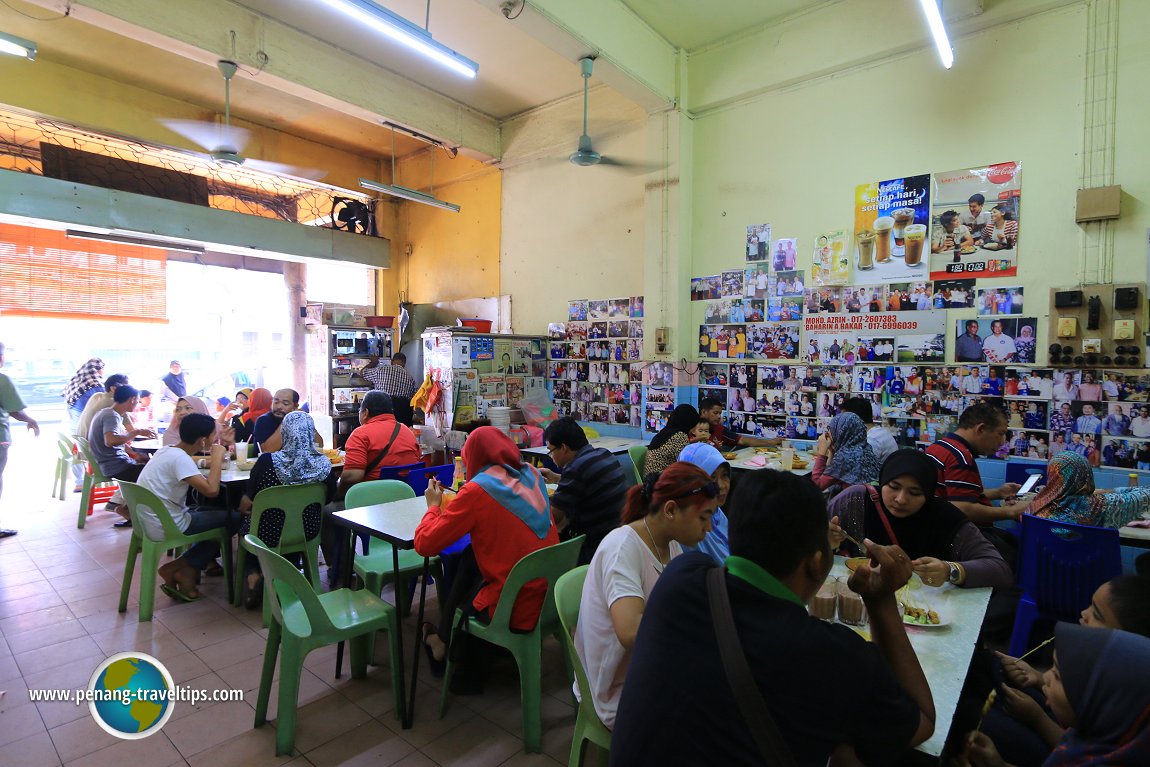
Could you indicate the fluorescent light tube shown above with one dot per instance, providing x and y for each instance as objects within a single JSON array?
[
  {"x": 408, "y": 194},
  {"x": 179, "y": 247},
  {"x": 404, "y": 32},
  {"x": 17, "y": 46},
  {"x": 938, "y": 31}
]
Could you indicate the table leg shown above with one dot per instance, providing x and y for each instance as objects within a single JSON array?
[
  {"x": 345, "y": 576},
  {"x": 409, "y": 714},
  {"x": 397, "y": 676}
]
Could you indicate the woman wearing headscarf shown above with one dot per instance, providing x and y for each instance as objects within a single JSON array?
[
  {"x": 1024, "y": 343},
  {"x": 669, "y": 442},
  {"x": 87, "y": 381},
  {"x": 1069, "y": 496},
  {"x": 504, "y": 507},
  {"x": 842, "y": 455},
  {"x": 259, "y": 402},
  {"x": 710, "y": 460},
  {"x": 903, "y": 511},
  {"x": 186, "y": 405},
  {"x": 1098, "y": 690},
  {"x": 230, "y": 415},
  {"x": 297, "y": 462}
]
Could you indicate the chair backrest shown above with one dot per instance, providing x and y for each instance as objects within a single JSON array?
[
  {"x": 568, "y": 595},
  {"x": 590, "y": 432},
  {"x": 93, "y": 467},
  {"x": 377, "y": 491},
  {"x": 137, "y": 497},
  {"x": 65, "y": 444},
  {"x": 293, "y": 501},
  {"x": 420, "y": 478},
  {"x": 288, "y": 588},
  {"x": 1017, "y": 471},
  {"x": 1061, "y": 564},
  {"x": 545, "y": 564},
  {"x": 638, "y": 454},
  {"x": 399, "y": 472}
]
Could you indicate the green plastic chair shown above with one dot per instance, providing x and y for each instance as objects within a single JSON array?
[
  {"x": 63, "y": 465},
  {"x": 548, "y": 564},
  {"x": 588, "y": 726},
  {"x": 305, "y": 621},
  {"x": 292, "y": 500},
  {"x": 375, "y": 569},
  {"x": 137, "y": 496},
  {"x": 638, "y": 454},
  {"x": 93, "y": 478}
]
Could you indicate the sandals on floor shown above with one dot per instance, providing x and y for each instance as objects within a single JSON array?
[
  {"x": 437, "y": 666},
  {"x": 214, "y": 568},
  {"x": 178, "y": 595}
]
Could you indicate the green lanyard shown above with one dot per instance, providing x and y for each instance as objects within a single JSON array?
[{"x": 755, "y": 575}]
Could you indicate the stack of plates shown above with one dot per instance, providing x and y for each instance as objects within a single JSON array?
[{"x": 500, "y": 418}]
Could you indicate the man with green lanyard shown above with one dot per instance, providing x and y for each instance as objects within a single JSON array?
[
  {"x": 691, "y": 690},
  {"x": 10, "y": 405}
]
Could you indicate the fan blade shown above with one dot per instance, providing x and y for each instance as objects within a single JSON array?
[
  {"x": 634, "y": 166},
  {"x": 282, "y": 169},
  {"x": 211, "y": 136}
]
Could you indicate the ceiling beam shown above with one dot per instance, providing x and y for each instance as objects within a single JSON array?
[
  {"x": 630, "y": 56},
  {"x": 297, "y": 63}
]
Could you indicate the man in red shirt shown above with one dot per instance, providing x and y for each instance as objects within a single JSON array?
[{"x": 712, "y": 410}]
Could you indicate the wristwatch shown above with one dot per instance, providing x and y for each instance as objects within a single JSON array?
[{"x": 955, "y": 573}]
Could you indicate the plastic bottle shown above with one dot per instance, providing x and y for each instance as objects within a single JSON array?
[
  {"x": 460, "y": 475},
  {"x": 1132, "y": 480}
]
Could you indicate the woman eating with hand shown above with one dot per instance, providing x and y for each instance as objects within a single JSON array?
[
  {"x": 843, "y": 457},
  {"x": 943, "y": 543}
]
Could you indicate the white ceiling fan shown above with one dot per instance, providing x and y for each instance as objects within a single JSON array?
[
  {"x": 225, "y": 143},
  {"x": 586, "y": 155}
]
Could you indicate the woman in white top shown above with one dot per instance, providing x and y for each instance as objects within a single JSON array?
[{"x": 667, "y": 511}]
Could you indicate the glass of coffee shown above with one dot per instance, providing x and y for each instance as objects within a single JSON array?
[
  {"x": 882, "y": 229},
  {"x": 822, "y": 606},
  {"x": 866, "y": 240},
  {"x": 851, "y": 607},
  {"x": 903, "y": 217},
  {"x": 915, "y": 239}
]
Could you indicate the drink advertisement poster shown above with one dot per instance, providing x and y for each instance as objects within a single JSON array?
[
  {"x": 892, "y": 219},
  {"x": 975, "y": 218},
  {"x": 831, "y": 260}
]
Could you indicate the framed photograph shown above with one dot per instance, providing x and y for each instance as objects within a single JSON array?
[
  {"x": 999, "y": 301},
  {"x": 758, "y": 242},
  {"x": 705, "y": 288}
]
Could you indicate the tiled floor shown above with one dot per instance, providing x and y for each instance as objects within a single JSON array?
[{"x": 59, "y": 588}]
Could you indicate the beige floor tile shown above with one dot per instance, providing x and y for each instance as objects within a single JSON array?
[
  {"x": 29, "y": 603},
  {"x": 81, "y": 737},
  {"x": 96, "y": 587},
  {"x": 210, "y": 727},
  {"x": 311, "y": 689},
  {"x": 83, "y": 608},
  {"x": 9, "y": 578},
  {"x": 427, "y": 726},
  {"x": 19, "y": 721},
  {"x": 8, "y": 669},
  {"x": 473, "y": 744},
  {"x": 106, "y": 618},
  {"x": 244, "y": 675},
  {"x": 155, "y": 750},
  {"x": 85, "y": 565},
  {"x": 233, "y": 650},
  {"x": 15, "y": 561},
  {"x": 325, "y": 719},
  {"x": 535, "y": 760},
  {"x": 557, "y": 740},
  {"x": 27, "y": 592},
  {"x": 255, "y": 747},
  {"x": 70, "y": 676},
  {"x": 508, "y": 714},
  {"x": 94, "y": 577},
  {"x": 214, "y": 632},
  {"x": 44, "y": 658},
  {"x": 19, "y": 624},
  {"x": 31, "y": 750},
  {"x": 373, "y": 694},
  {"x": 179, "y": 616},
  {"x": 416, "y": 760},
  {"x": 149, "y": 637},
  {"x": 185, "y": 667},
  {"x": 61, "y": 631},
  {"x": 208, "y": 682},
  {"x": 368, "y": 745}
]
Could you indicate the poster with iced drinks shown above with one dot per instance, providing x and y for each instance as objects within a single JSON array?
[
  {"x": 831, "y": 261},
  {"x": 891, "y": 230},
  {"x": 975, "y": 221}
]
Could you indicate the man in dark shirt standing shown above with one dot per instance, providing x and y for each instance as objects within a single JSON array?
[
  {"x": 396, "y": 382},
  {"x": 678, "y": 707},
  {"x": 589, "y": 500}
]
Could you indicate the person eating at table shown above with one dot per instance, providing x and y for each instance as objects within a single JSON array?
[
  {"x": 591, "y": 486},
  {"x": 667, "y": 511},
  {"x": 505, "y": 509},
  {"x": 712, "y": 410},
  {"x": 678, "y": 706},
  {"x": 1069, "y": 496},
  {"x": 1020, "y": 721},
  {"x": 170, "y": 474},
  {"x": 259, "y": 403},
  {"x": 945, "y": 547},
  {"x": 266, "y": 432},
  {"x": 296, "y": 462},
  {"x": 108, "y": 437},
  {"x": 232, "y": 412},
  {"x": 843, "y": 456},
  {"x": 664, "y": 448},
  {"x": 711, "y": 461},
  {"x": 185, "y": 406},
  {"x": 1097, "y": 689}
]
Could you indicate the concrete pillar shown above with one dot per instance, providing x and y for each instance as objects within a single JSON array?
[{"x": 295, "y": 281}]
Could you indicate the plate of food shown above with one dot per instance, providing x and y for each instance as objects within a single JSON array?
[
  {"x": 335, "y": 456},
  {"x": 854, "y": 562},
  {"x": 766, "y": 451},
  {"x": 921, "y": 615},
  {"x": 968, "y": 250},
  {"x": 730, "y": 456}
]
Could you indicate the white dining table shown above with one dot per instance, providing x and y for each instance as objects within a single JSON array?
[
  {"x": 747, "y": 459},
  {"x": 944, "y": 651},
  {"x": 616, "y": 445},
  {"x": 1137, "y": 537}
]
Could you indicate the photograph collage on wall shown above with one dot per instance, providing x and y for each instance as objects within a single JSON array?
[
  {"x": 996, "y": 340},
  {"x": 975, "y": 220},
  {"x": 759, "y": 340},
  {"x": 593, "y": 361}
]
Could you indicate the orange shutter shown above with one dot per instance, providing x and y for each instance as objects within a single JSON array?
[{"x": 43, "y": 272}]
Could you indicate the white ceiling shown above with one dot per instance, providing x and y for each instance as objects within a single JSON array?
[{"x": 689, "y": 24}]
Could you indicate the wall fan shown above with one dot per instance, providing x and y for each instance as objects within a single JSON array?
[{"x": 225, "y": 143}]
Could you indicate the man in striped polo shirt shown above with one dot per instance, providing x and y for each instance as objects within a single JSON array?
[
  {"x": 981, "y": 431},
  {"x": 589, "y": 499}
]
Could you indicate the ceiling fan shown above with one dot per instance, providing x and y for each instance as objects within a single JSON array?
[
  {"x": 585, "y": 154},
  {"x": 225, "y": 143}
]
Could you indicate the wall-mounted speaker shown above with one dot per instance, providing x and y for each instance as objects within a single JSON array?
[
  {"x": 1065, "y": 298},
  {"x": 1126, "y": 298}
]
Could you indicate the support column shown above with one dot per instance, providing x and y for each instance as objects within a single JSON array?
[{"x": 295, "y": 281}]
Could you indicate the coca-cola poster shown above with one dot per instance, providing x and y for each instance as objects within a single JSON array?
[{"x": 976, "y": 222}]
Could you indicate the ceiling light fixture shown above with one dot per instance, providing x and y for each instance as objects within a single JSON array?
[
  {"x": 79, "y": 234},
  {"x": 404, "y": 32},
  {"x": 17, "y": 46},
  {"x": 938, "y": 31},
  {"x": 403, "y": 192}
]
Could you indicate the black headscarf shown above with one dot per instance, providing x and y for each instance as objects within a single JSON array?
[
  {"x": 930, "y": 531},
  {"x": 682, "y": 420}
]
